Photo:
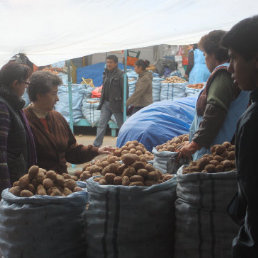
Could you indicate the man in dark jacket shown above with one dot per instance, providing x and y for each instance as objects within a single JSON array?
[
  {"x": 111, "y": 101},
  {"x": 242, "y": 42}
]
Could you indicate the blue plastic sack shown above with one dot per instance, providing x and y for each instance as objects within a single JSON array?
[
  {"x": 42, "y": 226},
  {"x": 79, "y": 91},
  {"x": 170, "y": 91},
  {"x": 158, "y": 122},
  {"x": 156, "y": 85}
]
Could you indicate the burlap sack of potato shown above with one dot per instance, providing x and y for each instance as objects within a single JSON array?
[
  {"x": 203, "y": 227},
  {"x": 42, "y": 226},
  {"x": 130, "y": 221},
  {"x": 166, "y": 161}
]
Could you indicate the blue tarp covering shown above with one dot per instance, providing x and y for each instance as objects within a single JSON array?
[
  {"x": 94, "y": 72},
  {"x": 158, "y": 122}
]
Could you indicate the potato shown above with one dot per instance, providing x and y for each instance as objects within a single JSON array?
[
  {"x": 16, "y": 183},
  {"x": 96, "y": 179},
  {"x": 220, "y": 149},
  {"x": 111, "y": 159},
  {"x": 26, "y": 193},
  {"x": 60, "y": 180},
  {"x": 149, "y": 167},
  {"x": 66, "y": 176},
  {"x": 218, "y": 158},
  {"x": 94, "y": 169},
  {"x": 202, "y": 162},
  {"x": 130, "y": 171},
  {"x": 129, "y": 159},
  {"x": 118, "y": 180},
  {"x": 67, "y": 191},
  {"x": 51, "y": 174},
  {"x": 40, "y": 177},
  {"x": 219, "y": 168},
  {"x": 131, "y": 146},
  {"x": 77, "y": 189},
  {"x": 133, "y": 151},
  {"x": 125, "y": 180},
  {"x": 102, "y": 181},
  {"x": 31, "y": 188},
  {"x": 231, "y": 148},
  {"x": 33, "y": 171},
  {"x": 55, "y": 191},
  {"x": 117, "y": 153},
  {"x": 226, "y": 164},
  {"x": 143, "y": 172},
  {"x": 138, "y": 165},
  {"x": 136, "y": 178},
  {"x": 150, "y": 182},
  {"x": 70, "y": 183},
  {"x": 139, "y": 183},
  {"x": 34, "y": 182},
  {"x": 78, "y": 173},
  {"x": 41, "y": 190},
  {"x": 95, "y": 174},
  {"x": 48, "y": 183},
  {"x": 210, "y": 168},
  {"x": 75, "y": 178},
  {"x": 120, "y": 169},
  {"x": 231, "y": 155},
  {"x": 214, "y": 162},
  {"x": 124, "y": 152},
  {"x": 138, "y": 153},
  {"x": 153, "y": 175},
  {"x": 226, "y": 144},
  {"x": 104, "y": 164},
  {"x": 194, "y": 169},
  {"x": 24, "y": 181},
  {"x": 109, "y": 177},
  {"x": 15, "y": 190}
]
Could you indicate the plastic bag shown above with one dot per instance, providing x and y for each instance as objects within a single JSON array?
[
  {"x": 130, "y": 222},
  {"x": 42, "y": 226}
]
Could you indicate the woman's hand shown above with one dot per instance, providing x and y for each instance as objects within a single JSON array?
[
  {"x": 106, "y": 150},
  {"x": 188, "y": 149}
]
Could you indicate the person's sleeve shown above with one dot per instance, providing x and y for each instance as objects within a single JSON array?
[
  {"x": 78, "y": 153},
  {"x": 248, "y": 170},
  {"x": 140, "y": 90},
  {"x": 220, "y": 96},
  {"x": 4, "y": 128},
  {"x": 190, "y": 63}
]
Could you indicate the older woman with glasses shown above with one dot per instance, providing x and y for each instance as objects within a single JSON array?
[
  {"x": 55, "y": 142},
  {"x": 17, "y": 149}
]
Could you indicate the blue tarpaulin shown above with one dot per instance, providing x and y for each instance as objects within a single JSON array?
[
  {"x": 158, "y": 122},
  {"x": 94, "y": 72}
]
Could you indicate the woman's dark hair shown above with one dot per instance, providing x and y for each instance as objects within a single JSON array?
[
  {"x": 211, "y": 44},
  {"x": 13, "y": 71},
  {"x": 42, "y": 82},
  {"x": 113, "y": 57},
  {"x": 142, "y": 63},
  {"x": 243, "y": 37}
]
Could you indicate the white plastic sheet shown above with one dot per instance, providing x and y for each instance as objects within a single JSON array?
[{"x": 49, "y": 31}]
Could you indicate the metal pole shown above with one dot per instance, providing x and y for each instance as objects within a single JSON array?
[
  {"x": 70, "y": 95},
  {"x": 125, "y": 85}
]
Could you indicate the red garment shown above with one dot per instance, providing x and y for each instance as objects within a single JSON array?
[{"x": 44, "y": 122}]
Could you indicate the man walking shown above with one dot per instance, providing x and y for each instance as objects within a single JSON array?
[{"x": 111, "y": 101}]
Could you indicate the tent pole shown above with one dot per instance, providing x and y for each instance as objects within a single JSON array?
[
  {"x": 70, "y": 95},
  {"x": 125, "y": 85}
]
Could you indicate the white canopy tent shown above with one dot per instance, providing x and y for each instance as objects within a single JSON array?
[{"x": 48, "y": 31}]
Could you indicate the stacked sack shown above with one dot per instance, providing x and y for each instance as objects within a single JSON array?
[
  {"x": 204, "y": 191},
  {"x": 42, "y": 216},
  {"x": 173, "y": 87},
  {"x": 165, "y": 155},
  {"x": 131, "y": 211},
  {"x": 79, "y": 92},
  {"x": 194, "y": 89},
  {"x": 156, "y": 86},
  {"x": 90, "y": 112},
  {"x": 132, "y": 79}
]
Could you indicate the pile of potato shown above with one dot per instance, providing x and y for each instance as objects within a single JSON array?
[
  {"x": 131, "y": 172},
  {"x": 134, "y": 147},
  {"x": 196, "y": 86},
  {"x": 221, "y": 159},
  {"x": 174, "y": 79},
  {"x": 95, "y": 168},
  {"x": 173, "y": 144},
  {"x": 38, "y": 181}
]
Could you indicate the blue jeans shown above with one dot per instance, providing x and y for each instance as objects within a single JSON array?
[{"x": 105, "y": 116}]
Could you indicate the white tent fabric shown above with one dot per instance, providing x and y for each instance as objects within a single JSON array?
[{"x": 48, "y": 31}]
